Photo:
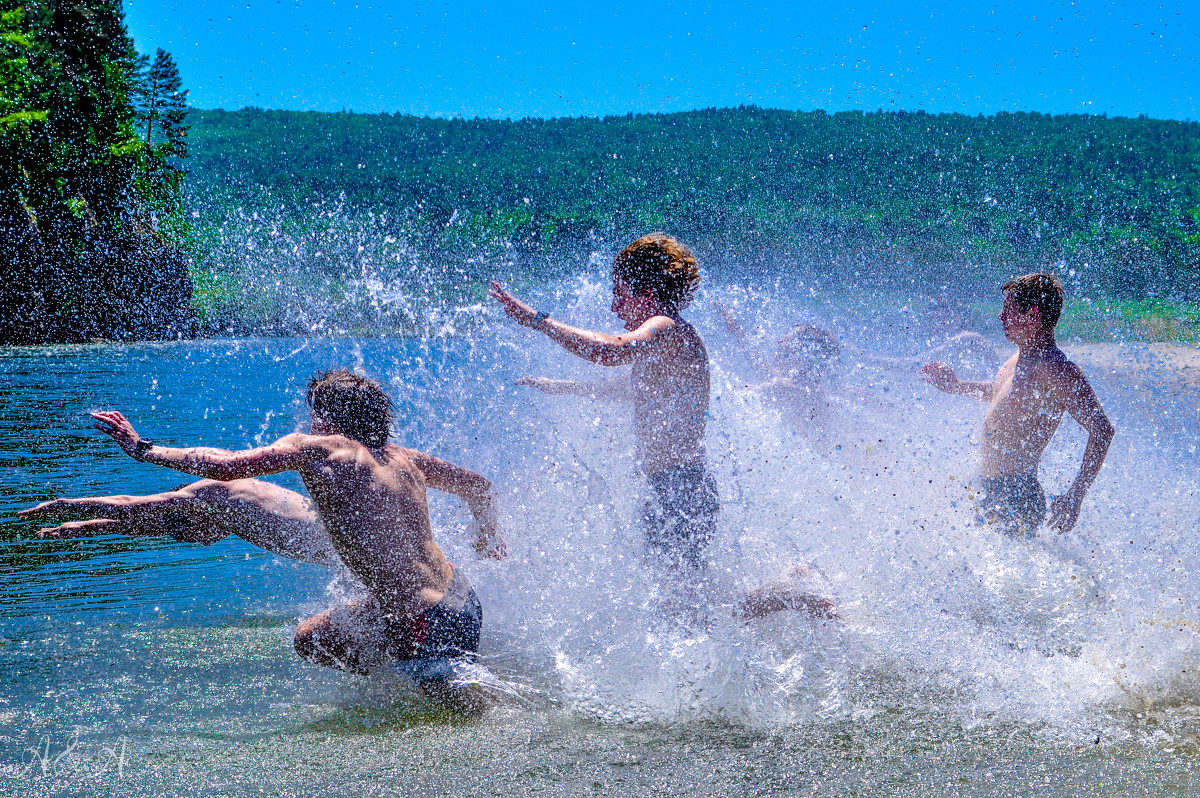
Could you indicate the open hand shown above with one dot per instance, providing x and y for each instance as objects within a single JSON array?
[
  {"x": 79, "y": 529},
  {"x": 114, "y": 425},
  {"x": 489, "y": 544},
  {"x": 1064, "y": 512},
  {"x": 940, "y": 376},
  {"x": 517, "y": 310}
]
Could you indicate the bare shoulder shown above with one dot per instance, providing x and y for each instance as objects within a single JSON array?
[
  {"x": 660, "y": 328},
  {"x": 1007, "y": 368},
  {"x": 1065, "y": 375}
]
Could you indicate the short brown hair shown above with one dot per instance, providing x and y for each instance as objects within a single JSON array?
[
  {"x": 814, "y": 348},
  {"x": 1043, "y": 291},
  {"x": 661, "y": 265},
  {"x": 357, "y": 405}
]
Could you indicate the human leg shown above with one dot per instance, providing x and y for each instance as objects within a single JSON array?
[{"x": 356, "y": 637}]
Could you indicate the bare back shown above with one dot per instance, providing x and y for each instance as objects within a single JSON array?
[
  {"x": 670, "y": 398},
  {"x": 373, "y": 505}
]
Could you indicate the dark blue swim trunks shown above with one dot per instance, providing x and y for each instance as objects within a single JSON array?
[
  {"x": 451, "y": 627},
  {"x": 681, "y": 517},
  {"x": 1016, "y": 503}
]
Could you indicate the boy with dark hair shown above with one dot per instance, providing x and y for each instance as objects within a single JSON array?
[
  {"x": 370, "y": 498},
  {"x": 1028, "y": 398},
  {"x": 654, "y": 279},
  {"x": 356, "y": 404}
]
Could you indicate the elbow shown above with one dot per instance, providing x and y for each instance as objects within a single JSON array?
[
  {"x": 1104, "y": 431},
  {"x": 611, "y": 355},
  {"x": 479, "y": 489},
  {"x": 223, "y": 472}
]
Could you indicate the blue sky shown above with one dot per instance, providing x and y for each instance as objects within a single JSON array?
[{"x": 518, "y": 59}]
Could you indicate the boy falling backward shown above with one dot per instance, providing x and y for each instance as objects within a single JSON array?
[
  {"x": 1027, "y": 400},
  {"x": 654, "y": 279},
  {"x": 370, "y": 498}
]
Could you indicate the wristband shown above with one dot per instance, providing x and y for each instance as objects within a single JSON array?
[
  {"x": 538, "y": 318},
  {"x": 143, "y": 445}
]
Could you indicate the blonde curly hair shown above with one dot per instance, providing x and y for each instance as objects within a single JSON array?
[{"x": 661, "y": 265}]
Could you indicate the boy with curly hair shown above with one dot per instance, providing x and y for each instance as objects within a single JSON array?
[
  {"x": 654, "y": 279},
  {"x": 1028, "y": 398}
]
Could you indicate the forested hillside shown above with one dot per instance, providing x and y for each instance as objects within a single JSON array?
[{"x": 1115, "y": 200}]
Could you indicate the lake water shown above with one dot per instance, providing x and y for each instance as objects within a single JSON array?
[{"x": 965, "y": 663}]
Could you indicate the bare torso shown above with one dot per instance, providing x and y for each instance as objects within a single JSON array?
[
  {"x": 670, "y": 399},
  {"x": 1026, "y": 408},
  {"x": 373, "y": 506}
]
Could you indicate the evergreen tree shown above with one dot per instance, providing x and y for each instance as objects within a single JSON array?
[
  {"x": 74, "y": 187},
  {"x": 161, "y": 104}
]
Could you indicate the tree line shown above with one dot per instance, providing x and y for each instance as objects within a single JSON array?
[
  {"x": 92, "y": 135},
  {"x": 1115, "y": 201}
]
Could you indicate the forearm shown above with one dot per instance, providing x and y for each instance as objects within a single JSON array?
[
  {"x": 972, "y": 390},
  {"x": 200, "y": 461},
  {"x": 587, "y": 344},
  {"x": 1093, "y": 459},
  {"x": 599, "y": 389},
  {"x": 482, "y": 507}
]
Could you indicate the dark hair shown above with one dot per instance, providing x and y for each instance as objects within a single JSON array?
[
  {"x": 814, "y": 348},
  {"x": 357, "y": 405},
  {"x": 661, "y": 265},
  {"x": 1043, "y": 291}
]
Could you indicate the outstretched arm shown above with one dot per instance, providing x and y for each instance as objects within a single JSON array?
[
  {"x": 286, "y": 454},
  {"x": 732, "y": 324},
  {"x": 475, "y": 490},
  {"x": 943, "y": 378},
  {"x": 1085, "y": 408},
  {"x": 136, "y": 516},
  {"x": 265, "y": 515},
  {"x": 755, "y": 355},
  {"x": 616, "y": 390},
  {"x": 602, "y": 348}
]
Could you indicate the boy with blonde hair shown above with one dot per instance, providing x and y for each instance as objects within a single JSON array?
[{"x": 654, "y": 279}]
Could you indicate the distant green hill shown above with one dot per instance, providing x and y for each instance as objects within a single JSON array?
[{"x": 1117, "y": 200}]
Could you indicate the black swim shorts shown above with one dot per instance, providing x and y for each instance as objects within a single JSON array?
[
  {"x": 1016, "y": 502},
  {"x": 682, "y": 515},
  {"x": 451, "y": 627}
]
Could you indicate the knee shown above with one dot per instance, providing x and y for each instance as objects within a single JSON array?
[{"x": 305, "y": 641}]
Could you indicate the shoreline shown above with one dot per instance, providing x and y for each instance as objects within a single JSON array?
[{"x": 1160, "y": 362}]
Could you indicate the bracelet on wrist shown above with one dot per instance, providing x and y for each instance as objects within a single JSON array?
[
  {"x": 539, "y": 318},
  {"x": 143, "y": 446}
]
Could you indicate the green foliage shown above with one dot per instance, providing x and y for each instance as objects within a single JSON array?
[
  {"x": 81, "y": 192},
  {"x": 1113, "y": 199},
  {"x": 1131, "y": 320}
]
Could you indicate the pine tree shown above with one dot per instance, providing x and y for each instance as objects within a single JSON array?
[
  {"x": 161, "y": 104},
  {"x": 81, "y": 195}
]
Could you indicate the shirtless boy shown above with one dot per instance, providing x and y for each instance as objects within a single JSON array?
[
  {"x": 1027, "y": 400},
  {"x": 370, "y": 498},
  {"x": 654, "y": 279},
  {"x": 797, "y": 375}
]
